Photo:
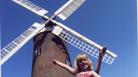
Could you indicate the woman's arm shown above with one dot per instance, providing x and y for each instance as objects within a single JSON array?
[
  {"x": 68, "y": 68},
  {"x": 101, "y": 54}
]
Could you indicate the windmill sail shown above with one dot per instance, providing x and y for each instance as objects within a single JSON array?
[
  {"x": 16, "y": 44},
  {"x": 32, "y": 7},
  {"x": 68, "y": 8},
  {"x": 60, "y": 30},
  {"x": 81, "y": 42}
]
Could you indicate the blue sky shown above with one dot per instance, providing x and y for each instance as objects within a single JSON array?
[{"x": 110, "y": 23}]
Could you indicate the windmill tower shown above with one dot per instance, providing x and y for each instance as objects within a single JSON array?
[
  {"x": 60, "y": 30},
  {"x": 48, "y": 47}
]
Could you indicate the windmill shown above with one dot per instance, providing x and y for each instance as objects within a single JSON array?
[{"x": 58, "y": 29}]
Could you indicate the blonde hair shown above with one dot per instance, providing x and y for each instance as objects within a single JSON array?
[{"x": 79, "y": 57}]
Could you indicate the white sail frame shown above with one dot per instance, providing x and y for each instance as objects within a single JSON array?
[{"x": 6, "y": 54}]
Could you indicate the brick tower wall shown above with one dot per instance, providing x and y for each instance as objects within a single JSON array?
[{"x": 48, "y": 47}]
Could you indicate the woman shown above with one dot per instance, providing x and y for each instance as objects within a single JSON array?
[{"x": 83, "y": 65}]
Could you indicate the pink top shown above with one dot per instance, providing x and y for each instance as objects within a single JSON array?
[{"x": 87, "y": 74}]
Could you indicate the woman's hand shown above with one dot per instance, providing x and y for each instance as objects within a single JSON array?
[
  {"x": 102, "y": 51},
  {"x": 55, "y": 62}
]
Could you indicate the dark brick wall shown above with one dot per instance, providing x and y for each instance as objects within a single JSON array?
[{"x": 49, "y": 47}]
